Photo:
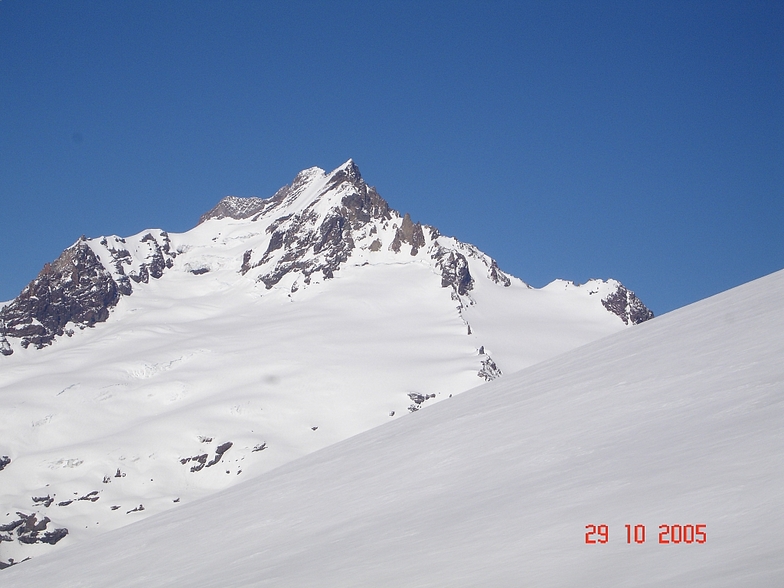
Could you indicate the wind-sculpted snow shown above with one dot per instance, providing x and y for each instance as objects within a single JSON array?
[
  {"x": 674, "y": 424},
  {"x": 272, "y": 329}
]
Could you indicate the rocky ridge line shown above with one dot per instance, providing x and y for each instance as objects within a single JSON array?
[
  {"x": 317, "y": 222},
  {"x": 78, "y": 289}
]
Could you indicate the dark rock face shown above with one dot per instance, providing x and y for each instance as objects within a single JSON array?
[
  {"x": 53, "y": 537},
  {"x": 79, "y": 288},
  {"x": 246, "y": 262},
  {"x": 30, "y": 530},
  {"x": 91, "y": 496},
  {"x": 201, "y": 460},
  {"x": 157, "y": 263},
  {"x": 418, "y": 400},
  {"x": 408, "y": 233},
  {"x": 454, "y": 270},
  {"x": 159, "y": 258},
  {"x": 489, "y": 370},
  {"x": 74, "y": 288},
  {"x": 4, "y": 461},
  {"x": 497, "y": 276},
  {"x": 627, "y": 306},
  {"x": 311, "y": 244},
  {"x": 46, "y": 501},
  {"x": 5, "y": 346}
]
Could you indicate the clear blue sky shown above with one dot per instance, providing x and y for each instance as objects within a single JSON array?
[{"x": 637, "y": 140}]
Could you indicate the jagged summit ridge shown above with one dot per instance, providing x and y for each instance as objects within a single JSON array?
[
  {"x": 239, "y": 208},
  {"x": 301, "y": 235},
  {"x": 235, "y": 207}
]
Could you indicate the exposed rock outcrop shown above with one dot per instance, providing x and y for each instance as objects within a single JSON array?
[
  {"x": 408, "y": 233},
  {"x": 418, "y": 400},
  {"x": 454, "y": 270},
  {"x": 235, "y": 207},
  {"x": 200, "y": 461},
  {"x": 489, "y": 370},
  {"x": 75, "y": 288},
  {"x": 308, "y": 242},
  {"x": 29, "y": 530},
  {"x": 5, "y": 346},
  {"x": 79, "y": 288},
  {"x": 627, "y": 306}
]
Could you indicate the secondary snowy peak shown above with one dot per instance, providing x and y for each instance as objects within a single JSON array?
[
  {"x": 241, "y": 208},
  {"x": 235, "y": 207},
  {"x": 79, "y": 288}
]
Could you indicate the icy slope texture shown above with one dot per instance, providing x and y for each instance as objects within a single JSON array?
[
  {"x": 678, "y": 422},
  {"x": 220, "y": 353}
]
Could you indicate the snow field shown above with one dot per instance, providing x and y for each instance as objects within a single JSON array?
[{"x": 678, "y": 421}]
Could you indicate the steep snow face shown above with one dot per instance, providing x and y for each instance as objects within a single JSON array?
[
  {"x": 272, "y": 329},
  {"x": 674, "y": 427}
]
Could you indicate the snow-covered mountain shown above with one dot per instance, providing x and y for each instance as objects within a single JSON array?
[
  {"x": 673, "y": 429},
  {"x": 272, "y": 329}
]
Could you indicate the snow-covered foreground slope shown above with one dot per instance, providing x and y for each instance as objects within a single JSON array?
[
  {"x": 677, "y": 422},
  {"x": 272, "y": 329}
]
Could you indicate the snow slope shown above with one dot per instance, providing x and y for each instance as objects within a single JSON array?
[
  {"x": 678, "y": 421},
  {"x": 208, "y": 363}
]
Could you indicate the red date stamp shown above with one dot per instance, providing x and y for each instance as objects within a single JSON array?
[{"x": 668, "y": 534}]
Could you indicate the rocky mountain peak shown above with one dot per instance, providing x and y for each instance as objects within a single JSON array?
[
  {"x": 239, "y": 208},
  {"x": 75, "y": 288},
  {"x": 315, "y": 223},
  {"x": 79, "y": 288},
  {"x": 306, "y": 231},
  {"x": 349, "y": 171}
]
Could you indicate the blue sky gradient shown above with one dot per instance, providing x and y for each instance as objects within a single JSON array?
[{"x": 642, "y": 141}]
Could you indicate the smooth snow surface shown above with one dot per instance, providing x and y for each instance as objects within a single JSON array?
[
  {"x": 118, "y": 416},
  {"x": 677, "y": 421}
]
